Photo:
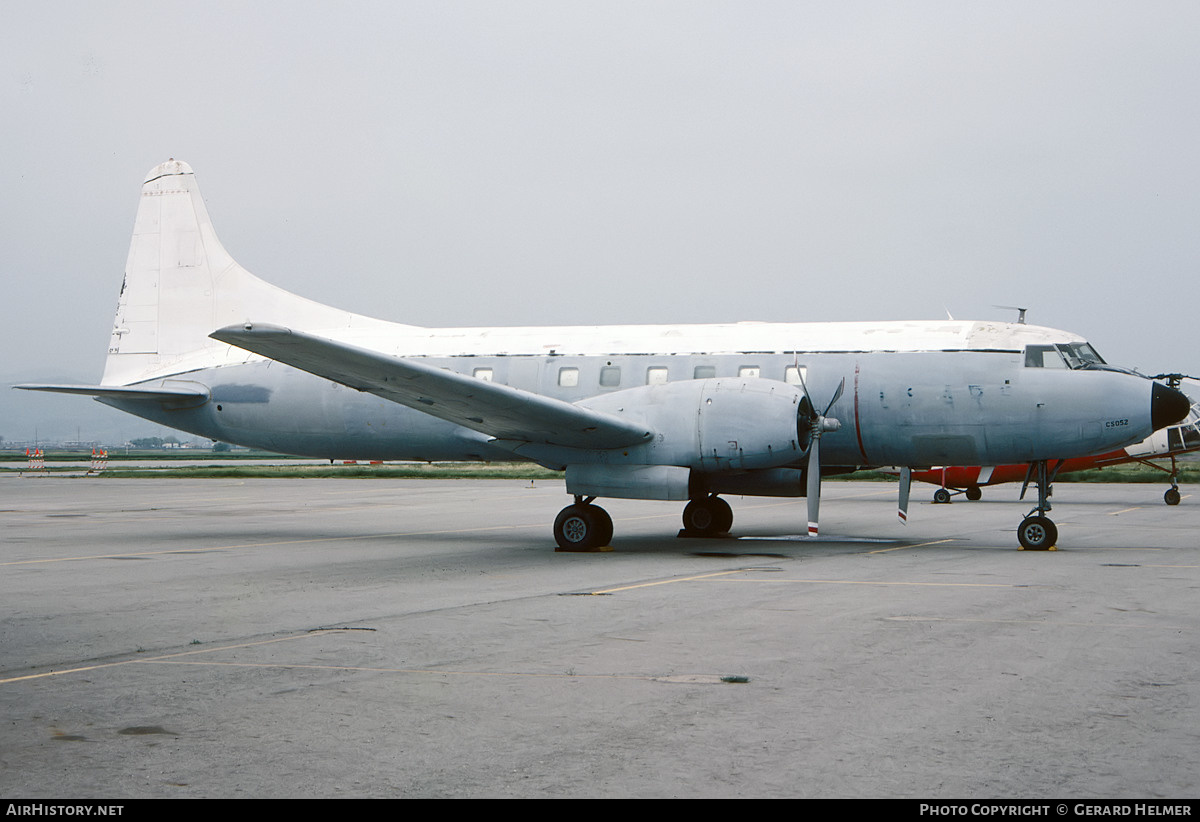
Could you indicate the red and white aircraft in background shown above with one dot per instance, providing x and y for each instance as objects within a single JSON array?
[{"x": 1167, "y": 443}]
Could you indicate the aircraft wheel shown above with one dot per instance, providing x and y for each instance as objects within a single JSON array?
[
  {"x": 708, "y": 516},
  {"x": 1172, "y": 496},
  {"x": 974, "y": 493},
  {"x": 723, "y": 514},
  {"x": 582, "y": 527},
  {"x": 604, "y": 525},
  {"x": 1037, "y": 534},
  {"x": 941, "y": 495}
]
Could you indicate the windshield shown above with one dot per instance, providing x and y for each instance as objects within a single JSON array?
[{"x": 1062, "y": 355}]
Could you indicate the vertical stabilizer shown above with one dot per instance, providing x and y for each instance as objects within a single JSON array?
[{"x": 181, "y": 285}]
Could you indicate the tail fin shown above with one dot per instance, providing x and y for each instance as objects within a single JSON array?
[{"x": 181, "y": 285}]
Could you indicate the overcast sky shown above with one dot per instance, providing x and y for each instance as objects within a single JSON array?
[{"x": 521, "y": 163}]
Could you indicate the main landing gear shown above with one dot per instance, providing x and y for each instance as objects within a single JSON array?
[
  {"x": 586, "y": 527},
  {"x": 583, "y": 527},
  {"x": 1037, "y": 532},
  {"x": 707, "y": 517}
]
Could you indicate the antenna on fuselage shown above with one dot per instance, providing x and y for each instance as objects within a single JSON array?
[{"x": 1020, "y": 312}]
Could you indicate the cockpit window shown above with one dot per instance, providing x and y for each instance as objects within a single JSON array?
[
  {"x": 1062, "y": 355},
  {"x": 1079, "y": 355},
  {"x": 1043, "y": 356}
]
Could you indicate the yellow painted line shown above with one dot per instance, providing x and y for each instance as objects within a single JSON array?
[
  {"x": 1126, "y": 510},
  {"x": 890, "y": 491},
  {"x": 1033, "y": 622},
  {"x": 717, "y": 575},
  {"x": 368, "y": 669},
  {"x": 162, "y": 658},
  {"x": 918, "y": 545},
  {"x": 673, "y": 581},
  {"x": 898, "y": 584},
  {"x": 212, "y": 549},
  {"x": 176, "y": 659}
]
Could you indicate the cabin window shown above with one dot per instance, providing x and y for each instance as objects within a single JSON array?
[
  {"x": 568, "y": 377},
  {"x": 484, "y": 374},
  {"x": 704, "y": 372},
  {"x": 610, "y": 376},
  {"x": 656, "y": 375},
  {"x": 795, "y": 375},
  {"x": 749, "y": 371}
]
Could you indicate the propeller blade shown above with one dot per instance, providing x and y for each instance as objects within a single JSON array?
[
  {"x": 837, "y": 395},
  {"x": 905, "y": 487},
  {"x": 814, "y": 485},
  {"x": 804, "y": 388}
]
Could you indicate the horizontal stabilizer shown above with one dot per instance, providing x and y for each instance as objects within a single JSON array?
[
  {"x": 179, "y": 396},
  {"x": 494, "y": 409}
]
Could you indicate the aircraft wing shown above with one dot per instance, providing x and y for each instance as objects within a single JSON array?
[{"x": 497, "y": 410}]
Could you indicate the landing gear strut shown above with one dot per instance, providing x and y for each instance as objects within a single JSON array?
[
  {"x": 1037, "y": 532},
  {"x": 583, "y": 526},
  {"x": 1172, "y": 495}
]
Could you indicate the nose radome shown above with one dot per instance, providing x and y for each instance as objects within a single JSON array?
[{"x": 1167, "y": 406}]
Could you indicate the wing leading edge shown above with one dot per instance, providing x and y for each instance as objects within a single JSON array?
[{"x": 497, "y": 410}]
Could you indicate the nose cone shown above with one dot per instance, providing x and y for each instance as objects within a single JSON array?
[{"x": 1167, "y": 406}]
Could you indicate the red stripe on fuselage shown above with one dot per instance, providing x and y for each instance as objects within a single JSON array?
[{"x": 857, "y": 422}]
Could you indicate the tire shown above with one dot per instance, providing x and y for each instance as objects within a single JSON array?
[
  {"x": 941, "y": 495},
  {"x": 1037, "y": 534},
  {"x": 698, "y": 517},
  {"x": 604, "y": 526},
  {"x": 974, "y": 493},
  {"x": 707, "y": 517},
  {"x": 1172, "y": 496},
  {"x": 582, "y": 528},
  {"x": 723, "y": 515}
]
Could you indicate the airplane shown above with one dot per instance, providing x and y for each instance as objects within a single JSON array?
[
  {"x": 662, "y": 412},
  {"x": 1170, "y": 443}
]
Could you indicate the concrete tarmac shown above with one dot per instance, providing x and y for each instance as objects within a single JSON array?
[{"x": 421, "y": 638}]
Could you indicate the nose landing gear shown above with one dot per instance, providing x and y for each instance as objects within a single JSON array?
[{"x": 1037, "y": 532}]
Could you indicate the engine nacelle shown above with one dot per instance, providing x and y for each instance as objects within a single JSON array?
[{"x": 714, "y": 425}]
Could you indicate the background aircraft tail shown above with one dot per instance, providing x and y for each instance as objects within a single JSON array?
[{"x": 181, "y": 285}]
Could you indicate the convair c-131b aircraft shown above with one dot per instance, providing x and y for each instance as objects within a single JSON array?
[{"x": 664, "y": 412}]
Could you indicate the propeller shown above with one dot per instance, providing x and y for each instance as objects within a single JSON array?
[
  {"x": 905, "y": 487},
  {"x": 818, "y": 424}
]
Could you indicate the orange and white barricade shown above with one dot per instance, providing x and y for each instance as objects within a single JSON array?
[{"x": 99, "y": 460}]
